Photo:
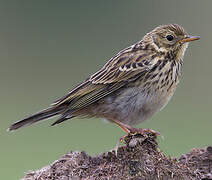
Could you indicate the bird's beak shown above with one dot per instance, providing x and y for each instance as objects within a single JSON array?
[{"x": 189, "y": 38}]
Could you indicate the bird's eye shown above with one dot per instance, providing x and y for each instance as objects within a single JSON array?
[{"x": 169, "y": 37}]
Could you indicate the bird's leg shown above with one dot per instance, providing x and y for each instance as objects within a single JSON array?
[{"x": 131, "y": 130}]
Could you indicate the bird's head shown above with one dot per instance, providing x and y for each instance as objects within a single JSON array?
[{"x": 170, "y": 38}]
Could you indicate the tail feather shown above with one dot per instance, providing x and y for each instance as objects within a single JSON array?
[
  {"x": 42, "y": 115},
  {"x": 60, "y": 120}
]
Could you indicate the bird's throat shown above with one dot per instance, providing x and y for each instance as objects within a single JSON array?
[{"x": 181, "y": 51}]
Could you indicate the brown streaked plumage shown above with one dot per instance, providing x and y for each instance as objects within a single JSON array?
[{"x": 132, "y": 86}]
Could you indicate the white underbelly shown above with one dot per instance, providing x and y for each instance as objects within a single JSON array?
[{"x": 135, "y": 106}]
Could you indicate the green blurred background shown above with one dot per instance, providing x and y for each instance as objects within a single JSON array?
[{"x": 48, "y": 47}]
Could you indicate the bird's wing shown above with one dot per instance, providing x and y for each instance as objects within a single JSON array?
[{"x": 123, "y": 68}]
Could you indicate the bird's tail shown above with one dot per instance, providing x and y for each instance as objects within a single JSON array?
[{"x": 42, "y": 115}]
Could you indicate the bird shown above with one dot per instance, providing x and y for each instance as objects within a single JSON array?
[{"x": 131, "y": 87}]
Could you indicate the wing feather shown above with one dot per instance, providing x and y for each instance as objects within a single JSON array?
[{"x": 123, "y": 68}]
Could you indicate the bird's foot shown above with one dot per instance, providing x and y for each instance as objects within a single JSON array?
[
  {"x": 131, "y": 130},
  {"x": 136, "y": 133},
  {"x": 141, "y": 131}
]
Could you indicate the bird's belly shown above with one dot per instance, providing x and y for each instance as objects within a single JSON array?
[{"x": 133, "y": 106}]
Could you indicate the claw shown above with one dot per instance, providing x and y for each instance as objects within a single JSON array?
[{"x": 118, "y": 143}]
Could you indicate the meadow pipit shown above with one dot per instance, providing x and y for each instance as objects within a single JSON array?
[{"x": 131, "y": 87}]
